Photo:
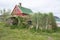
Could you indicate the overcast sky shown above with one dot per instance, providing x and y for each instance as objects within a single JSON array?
[{"x": 35, "y": 5}]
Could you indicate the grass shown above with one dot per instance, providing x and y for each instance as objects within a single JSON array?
[{"x": 6, "y": 33}]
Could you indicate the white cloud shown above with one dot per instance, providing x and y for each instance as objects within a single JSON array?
[{"x": 35, "y": 5}]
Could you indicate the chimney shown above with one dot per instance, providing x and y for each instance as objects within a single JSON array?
[{"x": 20, "y": 4}]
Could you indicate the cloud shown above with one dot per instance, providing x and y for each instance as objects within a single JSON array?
[{"x": 35, "y": 5}]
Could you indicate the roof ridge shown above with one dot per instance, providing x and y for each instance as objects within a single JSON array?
[
  {"x": 25, "y": 10},
  {"x": 23, "y": 7}
]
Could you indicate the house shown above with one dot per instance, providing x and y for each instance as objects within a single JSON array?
[{"x": 21, "y": 11}]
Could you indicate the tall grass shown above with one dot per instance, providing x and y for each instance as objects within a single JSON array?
[{"x": 6, "y": 33}]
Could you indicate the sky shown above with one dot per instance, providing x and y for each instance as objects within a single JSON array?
[{"x": 35, "y": 5}]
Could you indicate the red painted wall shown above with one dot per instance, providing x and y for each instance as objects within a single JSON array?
[{"x": 16, "y": 11}]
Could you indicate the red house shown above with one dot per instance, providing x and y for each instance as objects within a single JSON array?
[{"x": 21, "y": 11}]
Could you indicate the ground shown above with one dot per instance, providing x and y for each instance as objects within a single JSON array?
[{"x": 6, "y": 33}]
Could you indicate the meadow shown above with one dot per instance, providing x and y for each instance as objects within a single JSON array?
[{"x": 6, "y": 33}]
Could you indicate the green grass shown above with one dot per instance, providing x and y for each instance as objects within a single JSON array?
[{"x": 25, "y": 34}]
